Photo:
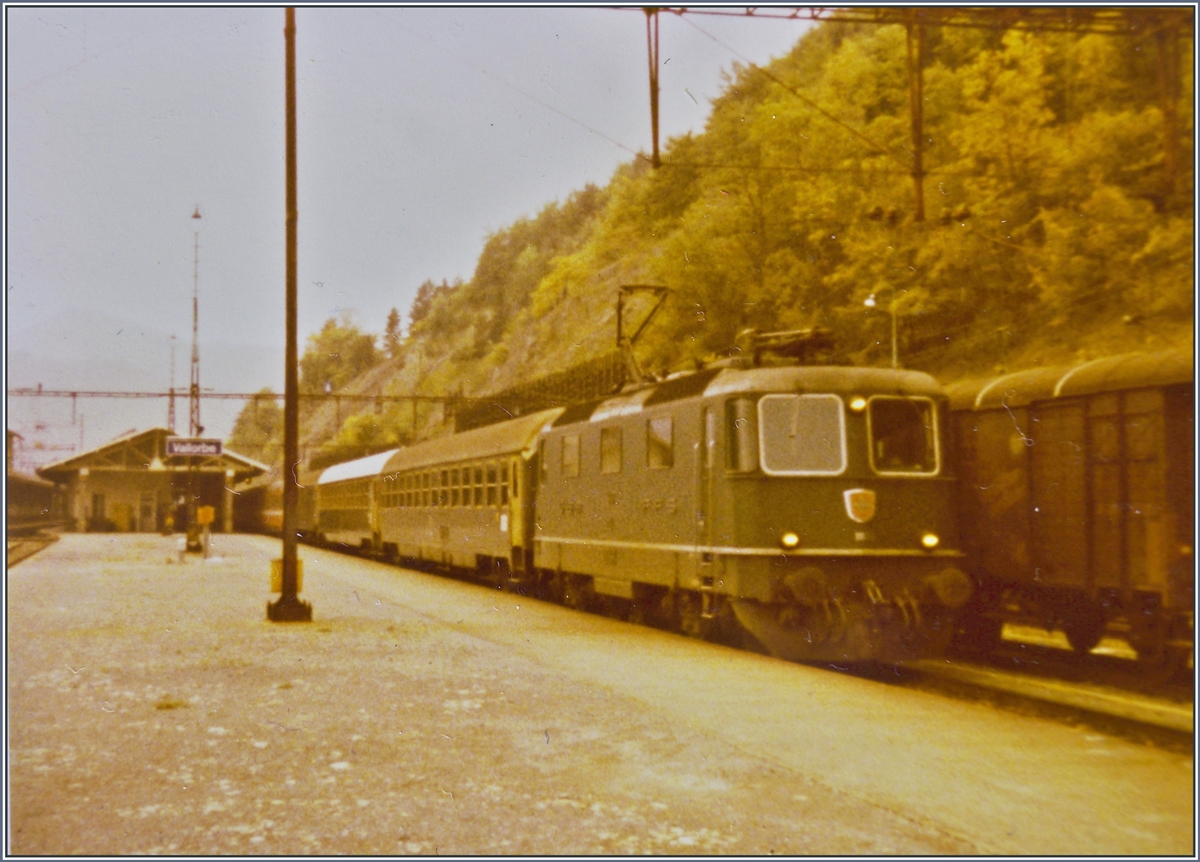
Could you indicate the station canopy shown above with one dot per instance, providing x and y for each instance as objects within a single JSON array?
[{"x": 140, "y": 451}]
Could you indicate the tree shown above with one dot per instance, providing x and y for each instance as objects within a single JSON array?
[
  {"x": 336, "y": 355},
  {"x": 427, "y": 293},
  {"x": 258, "y": 430},
  {"x": 391, "y": 334}
]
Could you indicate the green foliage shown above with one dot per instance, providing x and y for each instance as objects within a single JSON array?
[
  {"x": 336, "y": 355},
  {"x": 391, "y": 335},
  {"x": 360, "y": 435},
  {"x": 258, "y": 430},
  {"x": 1049, "y": 219}
]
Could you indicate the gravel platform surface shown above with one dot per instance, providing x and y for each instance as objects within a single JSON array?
[{"x": 152, "y": 709}]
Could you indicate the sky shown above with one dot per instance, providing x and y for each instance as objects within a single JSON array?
[{"x": 421, "y": 131}]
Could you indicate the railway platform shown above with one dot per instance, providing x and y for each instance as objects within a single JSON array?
[{"x": 153, "y": 709}]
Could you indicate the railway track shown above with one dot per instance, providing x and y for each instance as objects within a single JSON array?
[
  {"x": 22, "y": 547},
  {"x": 1065, "y": 698},
  {"x": 1036, "y": 672}
]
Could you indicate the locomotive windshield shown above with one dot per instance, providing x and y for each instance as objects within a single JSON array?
[
  {"x": 802, "y": 434},
  {"x": 903, "y": 435}
]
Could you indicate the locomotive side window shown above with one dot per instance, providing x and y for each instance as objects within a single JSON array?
[
  {"x": 903, "y": 435},
  {"x": 660, "y": 443},
  {"x": 570, "y": 455},
  {"x": 802, "y": 434},
  {"x": 610, "y": 450},
  {"x": 742, "y": 432}
]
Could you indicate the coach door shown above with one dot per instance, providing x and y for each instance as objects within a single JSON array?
[
  {"x": 706, "y": 462},
  {"x": 519, "y": 532}
]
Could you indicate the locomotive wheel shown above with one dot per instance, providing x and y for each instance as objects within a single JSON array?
[
  {"x": 647, "y": 607},
  {"x": 577, "y": 592},
  {"x": 688, "y": 616},
  {"x": 1084, "y": 627}
]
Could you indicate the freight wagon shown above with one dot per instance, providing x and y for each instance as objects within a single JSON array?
[{"x": 1077, "y": 499}]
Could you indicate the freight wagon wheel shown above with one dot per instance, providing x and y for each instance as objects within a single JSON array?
[
  {"x": 1157, "y": 655},
  {"x": 1084, "y": 626},
  {"x": 978, "y": 634}
]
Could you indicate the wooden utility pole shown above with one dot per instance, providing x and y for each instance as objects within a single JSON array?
[
  {"x": 652, "y": 48},
  {"x": 289, "y": 607}
]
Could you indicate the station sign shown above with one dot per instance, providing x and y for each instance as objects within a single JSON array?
[{"x": 193, "y": 446}]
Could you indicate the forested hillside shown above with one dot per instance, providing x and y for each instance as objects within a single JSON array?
[{"x": 1055, "y": 227}]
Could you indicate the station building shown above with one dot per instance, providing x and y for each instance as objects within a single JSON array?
[{"x": 140, "y": 483}]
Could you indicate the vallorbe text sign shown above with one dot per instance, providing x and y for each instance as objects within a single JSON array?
[{"x": 192, "y": 446}]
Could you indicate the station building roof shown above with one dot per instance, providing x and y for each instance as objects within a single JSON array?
[{"x": 146, "y": 451}]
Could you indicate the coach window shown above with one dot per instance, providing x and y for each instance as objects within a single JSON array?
[
  {"x": 610, "y": 450},
  {"x": 742, "y": 432},
  {"x": 491, "y": 484},
  {"x": 570, "y": 459},
  {"x": 503, "y": 483},
  {"x": 660, "y": 443},
  {"x": 479, "y": 485}
]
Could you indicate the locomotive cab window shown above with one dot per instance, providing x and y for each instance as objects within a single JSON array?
[
  {"x": 903, "y": 435},
  {"x": 802, "y": 435},
  {"x": 742, "y": 432}
]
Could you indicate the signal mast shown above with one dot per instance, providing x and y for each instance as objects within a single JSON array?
[{"x": 195, "y": 429}]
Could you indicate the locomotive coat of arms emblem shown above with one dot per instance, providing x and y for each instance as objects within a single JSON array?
[{"x": 860, "y": 504}]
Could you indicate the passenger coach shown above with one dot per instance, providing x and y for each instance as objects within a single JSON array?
[{"x": 464, "y": 500}]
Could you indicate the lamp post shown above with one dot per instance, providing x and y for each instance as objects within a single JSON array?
[{"x": 870, "y": 302}]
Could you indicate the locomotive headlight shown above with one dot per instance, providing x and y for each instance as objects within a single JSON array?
[
  {"x": 930, "y": 540},
  {"x": 789, "y": 540},
  {"x": 858, "y": 404}
]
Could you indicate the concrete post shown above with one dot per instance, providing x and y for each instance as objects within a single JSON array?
[{"x": 228, "y": 519}]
